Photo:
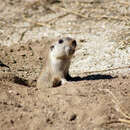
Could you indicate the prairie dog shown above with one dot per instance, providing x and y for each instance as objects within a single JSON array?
[{"x": 58, "y": 62}]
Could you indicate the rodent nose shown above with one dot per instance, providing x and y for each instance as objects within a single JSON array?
[
  {"x": 74, "y": 43},
  {"x": 71, "y": 51}
]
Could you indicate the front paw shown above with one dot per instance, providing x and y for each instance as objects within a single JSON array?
[
  {"x": 56, "y": 82},
  {"x": 63, "y": 81}
]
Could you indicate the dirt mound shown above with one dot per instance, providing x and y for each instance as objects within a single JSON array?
[
  {"x": 24, "y": 61},
  {"x": 84, "y": 103}
]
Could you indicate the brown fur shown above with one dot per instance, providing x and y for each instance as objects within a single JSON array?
[{"x": 57, "y": 65}]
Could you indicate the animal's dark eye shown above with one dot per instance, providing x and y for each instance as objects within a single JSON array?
[
  {"x": 74, "y": 43},
  {"x": 61, "y": 41}
]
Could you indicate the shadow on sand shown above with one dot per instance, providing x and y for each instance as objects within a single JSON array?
[{"x": 90, "y": 77}]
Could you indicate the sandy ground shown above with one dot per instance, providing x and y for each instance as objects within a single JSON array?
[{"x": 91, "y": 101}]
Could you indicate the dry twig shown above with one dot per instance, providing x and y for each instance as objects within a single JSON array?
[
  {"x": 117, "y": 105},
  {"x": 124, "y": 121},
  {"x": 123, "y": 2},
  {"x": 73, "y": 12},
  {"x": 40, "y": 24},
  {"x": 86, "y": 17},
  {"x": 124, "y": 67},
  {"x": 36, "y": 23},
  {"x": 57, "y": 17}
]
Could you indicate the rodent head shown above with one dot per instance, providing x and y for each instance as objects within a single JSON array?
[{"x": 64, "y": 48}]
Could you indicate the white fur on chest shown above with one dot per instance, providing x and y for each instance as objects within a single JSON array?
[{"x": 57, "y": 64}]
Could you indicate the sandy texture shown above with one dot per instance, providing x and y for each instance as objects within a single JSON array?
[
  {"x": 84, "y": 103},
  {"x": 96, "y": 101}
]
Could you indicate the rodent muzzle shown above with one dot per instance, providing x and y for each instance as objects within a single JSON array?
[
  {"x": 74, "y": 43},
  {"x": 73, "y": 46},
  {"x": 71, "y": 51}
]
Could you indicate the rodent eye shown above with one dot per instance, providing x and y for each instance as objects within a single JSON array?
[
  {"x": 74, "y": 43},
  {"x": 60, "y": 41}
]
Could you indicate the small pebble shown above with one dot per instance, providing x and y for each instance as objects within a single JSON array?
[
  {"x": 11, "y": 121},
  {"x": 73, "y": 117}
]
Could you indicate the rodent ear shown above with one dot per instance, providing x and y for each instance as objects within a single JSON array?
[
  {"x": 60, "y": 41},
  {"x": 74, "y": 43},
  {"x": 52, "y": 47}
]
